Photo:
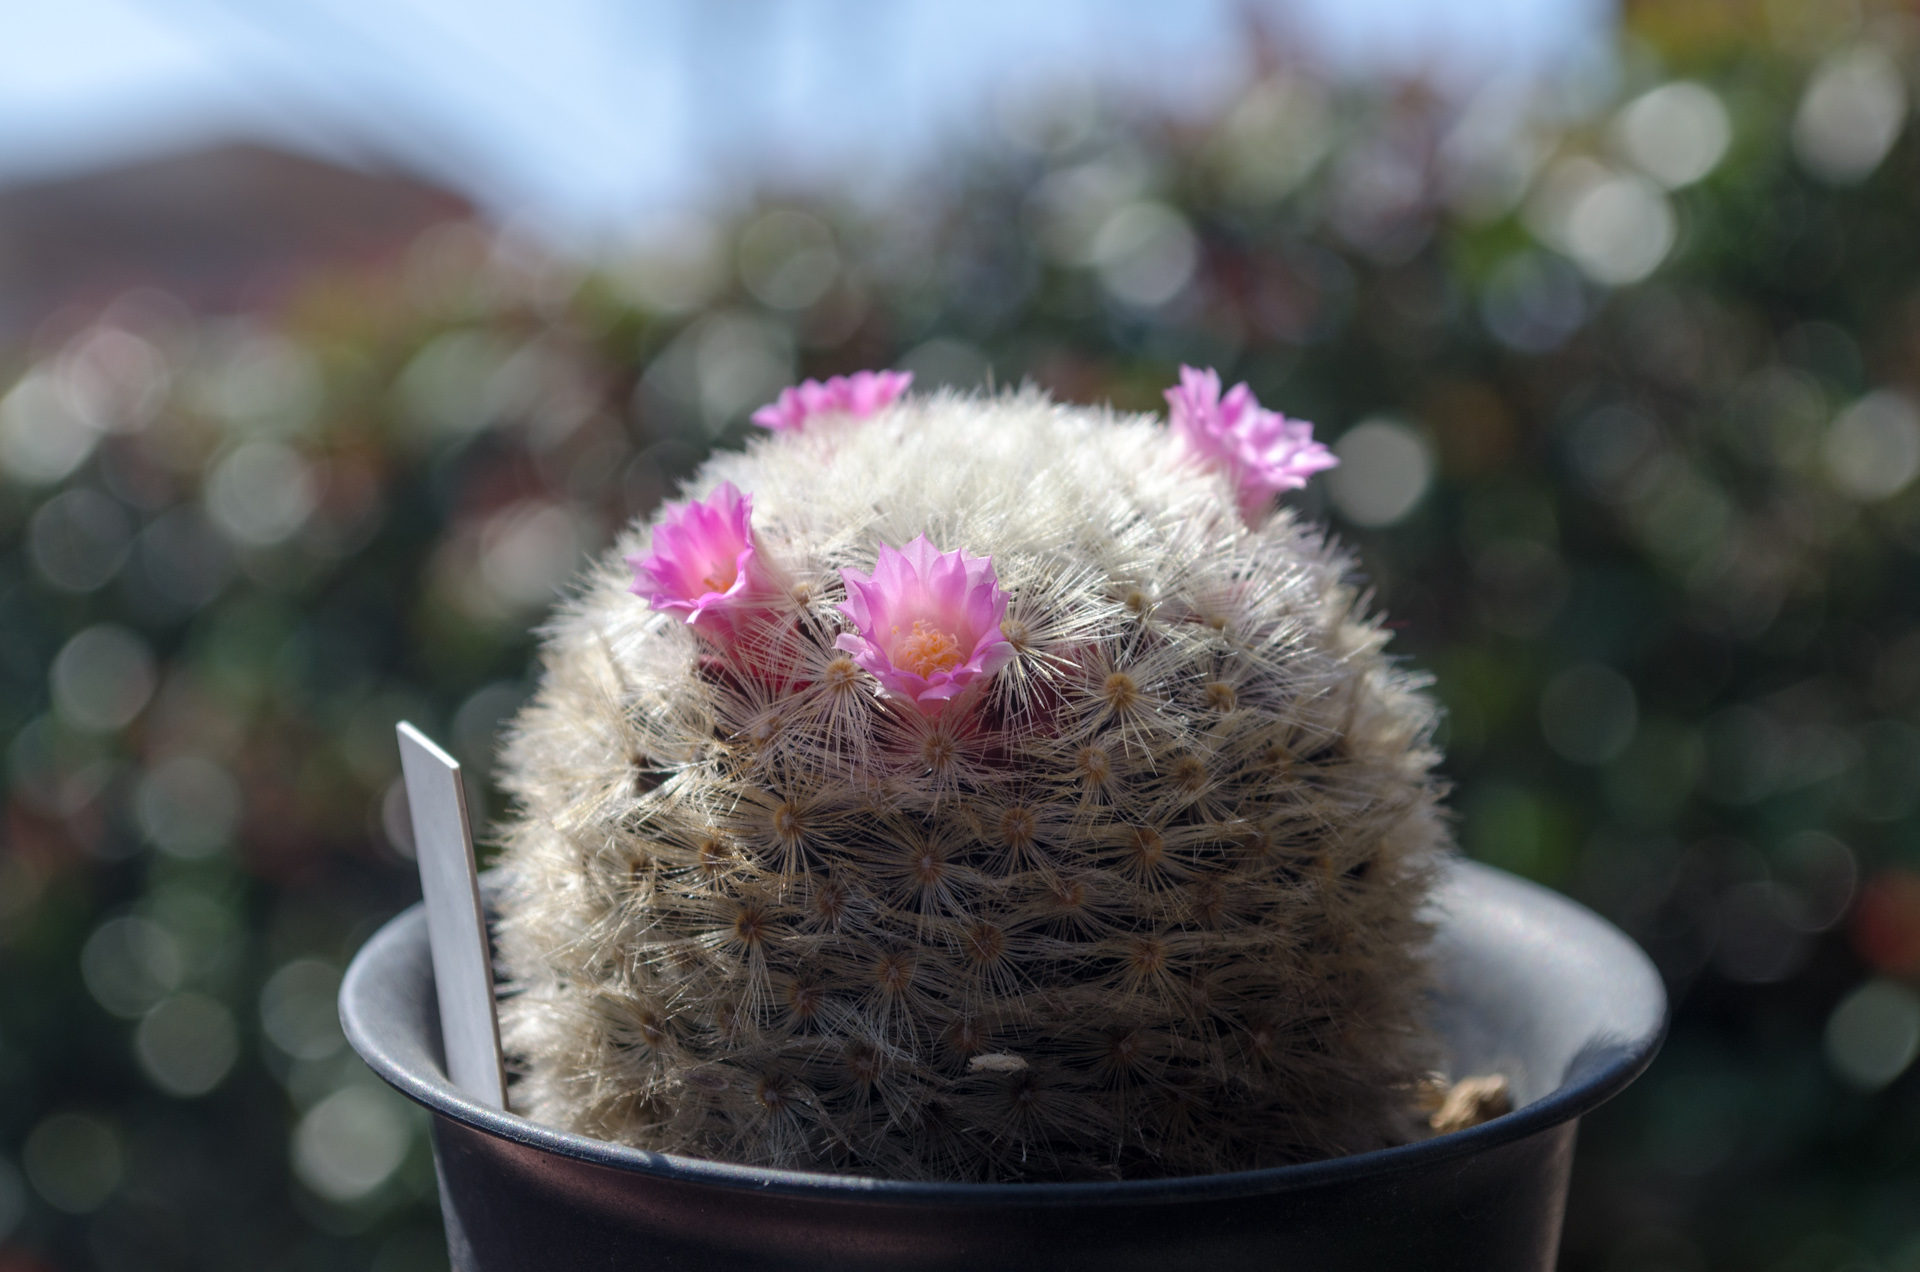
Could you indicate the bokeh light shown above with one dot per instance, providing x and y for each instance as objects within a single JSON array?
[
  {"x": 74, "y": 1161},
  {"x": 350, "y": 1143},
  {"x": 102, "y": 678},
  {"x": 1853, "y": 108},
  {"x": 1589, "y": 714},
  {"x": 1874, "y": 1034},
  {"x": 1384, "y": 469},
  {"x": 1676, "y": 133},
  {"x": 299, "y": 1012},
  {"x": 186, "y": 1044},
  {"x": 1872, "y": 449}
]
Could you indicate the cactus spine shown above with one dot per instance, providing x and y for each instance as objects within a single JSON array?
[{"x": 1145, "y": 903}]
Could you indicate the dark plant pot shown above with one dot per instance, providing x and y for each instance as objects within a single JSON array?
[{"x": 1531, "y": 986}]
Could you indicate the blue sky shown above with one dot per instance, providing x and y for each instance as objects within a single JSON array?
[{"x": 578, "y": 114}]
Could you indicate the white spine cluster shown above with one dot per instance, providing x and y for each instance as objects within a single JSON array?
[{"x": 1147, "y": 906}]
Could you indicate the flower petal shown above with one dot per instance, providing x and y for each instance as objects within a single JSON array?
[
  {"x": 859, "y": 395},
  {"x": 1261, "y": 452},
  {"x": 925, "y": 607}
]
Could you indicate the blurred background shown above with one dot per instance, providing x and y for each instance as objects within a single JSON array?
[{"x": 334, "y": 336}]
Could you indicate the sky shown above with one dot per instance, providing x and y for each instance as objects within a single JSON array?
[{"x": 578, "y": 115}]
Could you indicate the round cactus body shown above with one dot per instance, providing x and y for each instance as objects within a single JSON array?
[{"x": 1139, "y": 896}]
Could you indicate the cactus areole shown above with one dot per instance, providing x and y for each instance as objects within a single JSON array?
[{"x": 977, "y": 789}]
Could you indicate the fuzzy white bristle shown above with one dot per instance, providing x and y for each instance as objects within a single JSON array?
[{"x": 1147, "y": 906}]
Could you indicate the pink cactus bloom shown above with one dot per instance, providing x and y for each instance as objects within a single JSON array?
[
  {"x": 704, "y": 561},
  {"x": 927, "y": 623},
  {"x": 858, "y": 395},
  {"x": 1261, "y": 451}
]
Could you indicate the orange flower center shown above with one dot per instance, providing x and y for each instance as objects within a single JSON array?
[
  {"x": 926, "y": 650},
  {"x": 722, "y": 576}
]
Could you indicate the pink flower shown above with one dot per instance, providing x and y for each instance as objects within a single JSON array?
[
  {"x": 1261, "y": 451},
  {"x": 926, "y": 622},
  {"x": 858, "y": 395},
  {"x": 704, "y": 562}
]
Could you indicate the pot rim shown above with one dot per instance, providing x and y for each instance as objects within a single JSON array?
[{"x": 362, "y": 989}]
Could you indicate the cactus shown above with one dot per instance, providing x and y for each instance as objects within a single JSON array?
[{"x": 1138, "y": 897}]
